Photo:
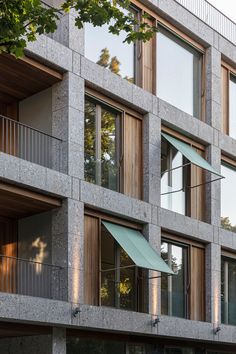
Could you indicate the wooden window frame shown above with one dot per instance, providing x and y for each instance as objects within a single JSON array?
[
  {"x": 156, "y": 19},
  {"x": 191, "y": 209},
  {"x": 123, "y": 111},
  {"x": 118, "y": 122},
  {"x": 226, "y": 72},
  {"x": 232, "y": 256},
  {"x": 189, "y": 244},
  {"x": 100, "y": 216}
]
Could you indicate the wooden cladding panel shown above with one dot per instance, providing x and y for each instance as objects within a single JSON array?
[
  {"x": 132, "y": 175},
  {"x": 197, "y": 296},
  {"x": 197, "y": 203},
  {"x": 8, "y": 248},
  {"x": 148, "y": 62},
  {"x": 21, "y": 78},
  {"x": 224, "y": 100},
  {"x": 91, "y": 260}
]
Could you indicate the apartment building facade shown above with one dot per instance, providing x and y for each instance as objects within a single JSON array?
[{"x": 117, "y": 179}]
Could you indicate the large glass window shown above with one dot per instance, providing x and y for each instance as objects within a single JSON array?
[
  {"x": 228, "y": 290},
  {"x": 119, "y": 278},
  {"x": 228, "y": 215},
  {"x": 178, "y": 73},
  {"x": 102, "y": 126},
  {"x": 232, "y": 106},
  {"x": 110, "y": 51},
  {"x": 173, "y": 289},
  {"x": 173, "y": 179}
]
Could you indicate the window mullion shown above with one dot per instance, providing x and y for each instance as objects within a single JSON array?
[
  {"x": 117, "y": 275},
  {"x": 169, "y": 279},
  {"x": 226, "y": 292},
  {"x": 98, "y": 143}
]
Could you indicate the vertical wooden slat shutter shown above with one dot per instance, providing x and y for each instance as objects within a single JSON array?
[
  {"x": 224, "y": 100},
  {"x": 197, "y": 290},
  {"x": 148, "y": 62},
  {"x": 91, "y": 260},
  {"x": 197, "y": 194},
  {"x": 132, "y": 164}
]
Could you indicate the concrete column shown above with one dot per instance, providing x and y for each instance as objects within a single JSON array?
[
  {"x": 152, "y": 171},
  {"x": 67, "y": 223},
  {"x": 213, "y": 88},
  {"x": 151, "y": 158},
  {"x": 212, "y": 200},
  {"x": 58, "y": 341},
  {"x": 153, "y": 234},
  {"x": 67, "y": 249},
  {"x": 213, "y": 283},
  {"x": 67, "y": 122}
]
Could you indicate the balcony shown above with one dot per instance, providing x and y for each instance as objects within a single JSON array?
[
  {"x": 26, "y": 277},
  {"x": 26, "y": 111},
  {"x": 30, "y": 144},
  {"x": 26, "y": 248}
]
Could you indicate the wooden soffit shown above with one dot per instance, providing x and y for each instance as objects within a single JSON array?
[
  {"x": 16, "y": 202},
  {"x": 21, "y": 78}
]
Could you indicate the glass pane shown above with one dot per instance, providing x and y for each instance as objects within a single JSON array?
[
  {"x": 178, "y": 282},
  {"x": 109, "y": 165},
  {"x": 172, "y": 180},
  {"x": 178, "y": 73},
  {"x": 228, "y": 215},
  {"x": 107, "y": 291},
  {"x": 164, "y": 280},
  {"x": 109, "y": 51},
  {"x": 228, "y": 290},
  {"x": 232, "y": 107},
  {"x": 232, "y": 292},
  {"x": 127, "y": 282},
  {"x": 173, "y": 289},
  {"x": 90, "y": 142}
]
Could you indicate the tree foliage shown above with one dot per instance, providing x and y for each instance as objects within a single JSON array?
[{"x": 22, "y": 21}]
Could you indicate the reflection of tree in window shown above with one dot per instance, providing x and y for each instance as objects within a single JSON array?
[
  {"x": 173, "y": 288},
  {"x": 112, "y": 64},
  {"x": 226, "y": 224},
  {"x": 108, "y": 150},
  {"x": 101, "y": 150},
  {"x": 89, "y": 141},
  {"x": 117, "y": 285}
]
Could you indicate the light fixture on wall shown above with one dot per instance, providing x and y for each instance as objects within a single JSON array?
[
  {"x": 75, "y": 311},
  {"x": 216, "y": 329},
  {"x": 155, "y": 321}
]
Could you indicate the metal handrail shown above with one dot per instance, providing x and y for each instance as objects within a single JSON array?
[
  {"x": 29, "y": 127},
  {"x": 30, "y": 261},
  {"x": 212, "y": 16},
  {"x": 31, "y": 144},
  {"x": 30, "y": 278}
]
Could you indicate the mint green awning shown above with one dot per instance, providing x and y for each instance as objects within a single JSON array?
[
  {"x": 190, "y": 154},
  {"x": 137, "y": 247}
]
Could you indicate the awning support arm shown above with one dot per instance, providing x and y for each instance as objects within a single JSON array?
[
  {"x": 197, "y": 185},
  {"x": 176, "y": 168},
  {"x": 131, "y": 266},
  {"x": 202, "y": 184}
]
